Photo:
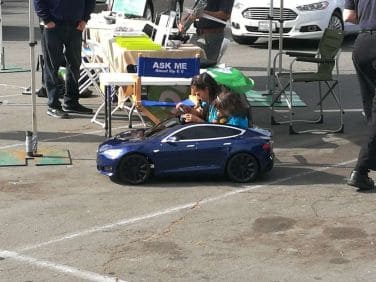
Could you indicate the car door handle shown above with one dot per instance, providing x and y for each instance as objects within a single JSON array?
[
  {"x": 190, "y": 146},
  {"x": 227, "y": 144}
]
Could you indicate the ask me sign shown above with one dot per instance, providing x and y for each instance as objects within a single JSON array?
[{"x": 166, "y": 67}]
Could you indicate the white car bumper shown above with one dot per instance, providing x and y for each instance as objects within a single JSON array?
[{"x": 305, "y": 25}]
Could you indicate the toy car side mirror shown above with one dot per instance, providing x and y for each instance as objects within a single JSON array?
[{"x": 172, "y": 139}]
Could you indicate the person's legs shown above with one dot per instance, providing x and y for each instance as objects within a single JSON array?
[
  {"x": 73, "y": 62},
  {"x": 364, "y": 58},
  {"x": 52, "y": 48},
  {"x": 73, "y": 44},
  {"x": 211, "y": 43}
]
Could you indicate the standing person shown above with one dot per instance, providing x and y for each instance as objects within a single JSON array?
[
  {"x": 64, "y": 22},
  {"x": 210, "y": 33},
  {"x": 363, "y": 12}
]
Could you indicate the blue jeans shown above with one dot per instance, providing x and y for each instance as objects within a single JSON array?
[{"x": 58, "y": 44}]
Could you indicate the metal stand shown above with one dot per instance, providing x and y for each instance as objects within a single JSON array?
[
  {"x": 32, "y": 43},
  {"x": 2, "y": 57}
]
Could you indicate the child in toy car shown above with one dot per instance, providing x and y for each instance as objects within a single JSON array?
[{"x": 229, "y": 109}]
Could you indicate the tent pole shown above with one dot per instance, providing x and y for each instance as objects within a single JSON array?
[
  {"x": 32, "y": 44},
  {"x": 270, "y": 47},
  {"x": 280, "y": 34},
  {"x": 2, "y": 56}
]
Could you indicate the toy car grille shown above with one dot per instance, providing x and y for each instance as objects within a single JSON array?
[{"x": 263, "y": 14}]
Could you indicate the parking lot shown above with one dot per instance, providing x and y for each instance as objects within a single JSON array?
[{"x": 300, "y": 222}]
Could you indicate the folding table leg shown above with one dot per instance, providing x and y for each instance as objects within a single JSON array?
[{"x": 107, "y": 111}]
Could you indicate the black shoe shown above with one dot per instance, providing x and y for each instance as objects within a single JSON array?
[
  {"x": 42, "y": 92},
  {"x": 57, "y": 113},
  {"x": 77, "y": 109},
  {"x": 87, "y": 93},
  {"x": 361, "y": 181}
]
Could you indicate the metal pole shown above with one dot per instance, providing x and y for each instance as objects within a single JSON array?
[
  {"x": 280, "y": 34},
  {"x": 270, "y": 47},
  {"x": 2, "y": 57},
  {"x": 32, "y": 44}
]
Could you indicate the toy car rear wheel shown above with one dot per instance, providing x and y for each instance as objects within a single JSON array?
[
  {"x": 242, "y": 167},
  {"x": 134, "y": 169}
]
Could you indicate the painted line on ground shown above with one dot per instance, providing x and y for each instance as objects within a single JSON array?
[
  {"x": 128, "y": 221},
  {"x": 60, "y": 268},
  {"x": 62, "y": 137},
  {"x": 12, "y": 86},
  {"x": 6, "y": 96}
]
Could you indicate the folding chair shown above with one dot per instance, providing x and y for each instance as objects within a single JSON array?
[
  {"x": 96, "y": 61},
  {"x": 326, "y": 59},
  {"x": 164, "y": 28},
  {"x": 160, "y": 71}
]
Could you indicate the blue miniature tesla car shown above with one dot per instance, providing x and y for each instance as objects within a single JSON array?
[{"x": 194, "y": 148}]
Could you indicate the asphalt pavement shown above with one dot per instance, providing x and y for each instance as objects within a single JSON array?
[{"x": 300, "y": 222}]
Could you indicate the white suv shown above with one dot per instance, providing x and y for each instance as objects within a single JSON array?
[{"x": 303, "y": 19}]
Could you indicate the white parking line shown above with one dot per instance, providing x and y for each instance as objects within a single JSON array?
[
  {"x": 128, "y": 221},
  {"x": 12, "y": 86},
  {"x": 61, "y": 268}
]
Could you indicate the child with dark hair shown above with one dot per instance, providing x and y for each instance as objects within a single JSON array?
[
  {"x": 229, "y": 108},
  {"x": 204, "y": 90}
]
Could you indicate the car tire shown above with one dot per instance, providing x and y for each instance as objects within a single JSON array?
[
  {"x": 336, "y": 22},
  {"x": 242, "y": 167},
  {"x": 149, "y": 12},
  {"x": 134, "y": 169},
  {"x": 244, "y": 39}
]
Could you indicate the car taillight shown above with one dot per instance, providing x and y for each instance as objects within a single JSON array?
[{"x": 268, "y": 147}]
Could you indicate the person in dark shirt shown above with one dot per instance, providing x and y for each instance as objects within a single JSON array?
[
  {"x": 210, "y": 33},
  {"x": 363, "y": 12},
  {"x": 64, "y": 21}
]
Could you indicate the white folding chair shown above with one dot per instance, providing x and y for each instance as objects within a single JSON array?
[{"x": 164, "y": 27}]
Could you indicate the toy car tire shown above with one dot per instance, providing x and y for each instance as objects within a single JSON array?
[
  {"x": 134, "y": 169},
  {"x": 242, "y": 167}
]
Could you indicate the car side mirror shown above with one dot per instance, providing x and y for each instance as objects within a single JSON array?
[{"x": 172, "y": 139}]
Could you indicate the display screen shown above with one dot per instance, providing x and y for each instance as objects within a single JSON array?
[{"x": 129, "y": 7}]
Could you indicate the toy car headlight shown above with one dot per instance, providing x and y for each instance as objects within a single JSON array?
[
  {"x": 314, "y": 6},
  {"x": 113, "y": 153}
]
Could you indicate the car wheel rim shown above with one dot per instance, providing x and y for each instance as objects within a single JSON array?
[
  {"x": 135, "y": 169},
  {"x": 243, "y": 168},
  {"x": 335, "y": 23}
]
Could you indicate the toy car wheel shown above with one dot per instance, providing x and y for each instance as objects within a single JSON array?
[
  {"x": 134, "y": 169},
  {"x": 242, "y": 167}
]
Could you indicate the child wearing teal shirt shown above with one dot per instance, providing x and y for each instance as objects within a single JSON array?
[{"x": 229, "y": 109}]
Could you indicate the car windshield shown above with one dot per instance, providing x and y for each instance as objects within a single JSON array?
[{"x": 160, "y": 127}]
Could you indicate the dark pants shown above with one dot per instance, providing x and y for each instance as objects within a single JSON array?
[
  {"x": 58, "y": 44},
  {"x": 364, "y": 58},
  {"x": 211, "y": 43}
]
